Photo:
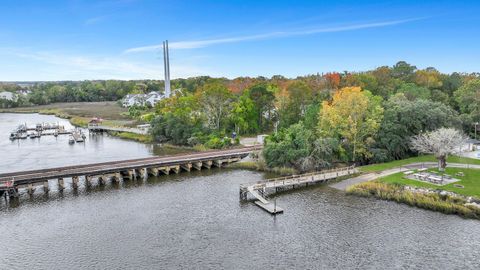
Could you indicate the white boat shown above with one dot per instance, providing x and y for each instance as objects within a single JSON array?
[{"x": 71, "y": 140}]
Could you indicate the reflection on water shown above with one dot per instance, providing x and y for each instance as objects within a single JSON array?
[{"x": 196, "y": 221}]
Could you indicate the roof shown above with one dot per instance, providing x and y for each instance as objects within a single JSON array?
[{"x": 473, "y": 141}]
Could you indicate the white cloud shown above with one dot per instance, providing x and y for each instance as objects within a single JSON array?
[
  {"x": 59, "y": 66},
  {"x": 204, "y": 43}
]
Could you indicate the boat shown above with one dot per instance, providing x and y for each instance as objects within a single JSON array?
[
  {"x": 13, "y": 136},
  {"x": 71, "y": 140},
  {"x": 23, "y": 136}
]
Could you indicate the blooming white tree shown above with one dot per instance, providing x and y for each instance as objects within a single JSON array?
[{"x": 441, "y": 143}]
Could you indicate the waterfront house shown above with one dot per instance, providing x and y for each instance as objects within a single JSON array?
[
  {"x": 149, "y": 99},
  {"x": 8, "y": 96}
]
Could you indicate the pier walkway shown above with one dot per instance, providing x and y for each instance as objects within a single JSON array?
[
  {"x": 259, "y": 189},
  {"x": 118, "y": 170}
]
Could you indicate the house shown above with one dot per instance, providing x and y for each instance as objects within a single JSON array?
[
  {"x": 23, "y": 92},
  {"x": 8, "y": 96},
  {"x": 153, "y": 98},
  {"x": 149, "y": 99}
]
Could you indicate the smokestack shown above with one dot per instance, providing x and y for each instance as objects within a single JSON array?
[{"x": 166, "y": 66}]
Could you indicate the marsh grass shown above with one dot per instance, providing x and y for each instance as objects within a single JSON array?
[{"x": 432, "y": 201}]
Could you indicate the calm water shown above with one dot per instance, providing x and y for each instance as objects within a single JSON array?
[
  {"x": 48, "y": 151},
  {"x": 195, "y": 221}
]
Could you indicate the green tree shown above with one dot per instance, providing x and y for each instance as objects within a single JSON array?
[
  {"x": 215, "y": 100},
  {"x": 405, "y": 118},
  {"x": 413, "y": 91}
]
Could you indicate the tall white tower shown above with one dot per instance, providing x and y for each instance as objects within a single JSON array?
[{"x": 166, "y": 66}]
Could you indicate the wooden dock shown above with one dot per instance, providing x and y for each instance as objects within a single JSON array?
[{"x": 259, "y": 189}]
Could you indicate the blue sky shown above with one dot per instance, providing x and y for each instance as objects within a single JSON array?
[{"x": 118, "y": 39}]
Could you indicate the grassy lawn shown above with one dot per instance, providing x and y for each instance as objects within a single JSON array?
[
  {"x": 80, "y": 113},
  {"x": 471, "y": 181},
  {"x": 425, "y": 158}
]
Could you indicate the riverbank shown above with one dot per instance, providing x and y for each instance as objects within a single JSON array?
[
  {"x": 80, "y": 113},
  {"x": 435, "y": 201},
  {"x": 460, "y": 197}
]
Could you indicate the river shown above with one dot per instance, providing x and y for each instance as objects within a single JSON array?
[{"x": 195, "y": 221}]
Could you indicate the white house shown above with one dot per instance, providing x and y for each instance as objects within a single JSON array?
[
  {"x": 8, "y": 96},
  {"x": 23, "y": 92},
  {"x": 153, "y": 98},
  {"x": 150, "y": 99}
]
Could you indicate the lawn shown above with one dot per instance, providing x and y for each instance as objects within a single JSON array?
[
  {"x": 471, "y": 181},
  {"x": 425, "y": 158},
  {"x": 80, "y": 113}
]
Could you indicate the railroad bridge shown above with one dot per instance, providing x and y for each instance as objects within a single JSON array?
[{"x": 116, "y": 171}]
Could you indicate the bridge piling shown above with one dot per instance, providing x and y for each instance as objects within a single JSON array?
[
  {"x": 207, "y": 164},
  {"x": 175, "y": 169},
  {"x": 197, "y": 165},
  {"x": 30, "y": 189},
  {"x": 187, "y": 167},
  {"x": 45, "y": 186},
  {"x": 75, "y": 182},
  {"x": 61, "y": 184}
]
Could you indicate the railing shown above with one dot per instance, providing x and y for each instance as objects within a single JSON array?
[{"x": 262, "y": 183}]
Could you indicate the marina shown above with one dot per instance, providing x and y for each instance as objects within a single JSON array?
[{"x": 42, "y": 129}]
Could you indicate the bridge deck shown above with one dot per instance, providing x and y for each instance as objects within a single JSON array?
[{"x": 33, "y": 176}]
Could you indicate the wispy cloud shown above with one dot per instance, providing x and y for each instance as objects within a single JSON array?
[
  {"x": 94, "y": 20},
  {"x": 281, "y": 34},
  {"x": 73, "y": 67}
]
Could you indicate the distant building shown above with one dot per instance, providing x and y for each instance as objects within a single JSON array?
[
  {"x": 153, "y": 98},
  {"x": 23, "y": 92},
  {"x": 149, "y": 99},
  {"x": 8, "y": 96}
]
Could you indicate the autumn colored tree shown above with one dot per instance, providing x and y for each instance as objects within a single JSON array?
[
  {"x": 429, "y": 78},
  {"x": 333, "y": 80},
  {"x": 353, "y": 116}
]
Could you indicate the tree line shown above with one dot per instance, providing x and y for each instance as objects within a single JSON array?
[{"x": 319, "y": 120}]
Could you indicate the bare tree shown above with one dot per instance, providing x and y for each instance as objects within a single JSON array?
[{"x": 441, "y": 143}]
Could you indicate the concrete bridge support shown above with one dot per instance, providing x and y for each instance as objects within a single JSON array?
[
  {"x": 154, "y": 171},
  {"x": 218, "y": 163},
  {"x": 88, "y": 180},
  {"x": 102, "y": 179},
  {"x": 144, "y": 173},
  {"x": 207, "y": 164},
  {"x": 165, "y": 170},
  {"x": 197, "y": 165},
  {"x": 75, "y": 182},
  {"x": 45, "y": 186},
  {"x": 117, "y": 178},
  {"x": 187, "y": 167},
  {"x": 61, "y": 184},
  {"x": 30, "y": 189},
  {"x": 175, "y": 168}
]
